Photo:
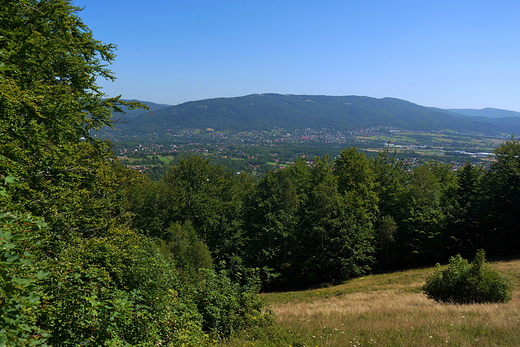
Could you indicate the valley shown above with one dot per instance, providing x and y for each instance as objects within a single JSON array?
[{"x": 257, "y": 152}]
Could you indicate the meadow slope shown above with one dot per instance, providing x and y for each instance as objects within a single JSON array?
[{"x": 387, "y": 310}]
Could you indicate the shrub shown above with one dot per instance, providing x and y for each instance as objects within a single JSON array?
[
  {"x": 227, "y": 306},
  {"x": 19, "y": 294},
  {"x": 465, "y": 283},
  {"x": 118, "y": 290}
]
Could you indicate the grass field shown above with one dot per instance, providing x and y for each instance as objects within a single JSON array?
[{"x": 387, "y": 310}]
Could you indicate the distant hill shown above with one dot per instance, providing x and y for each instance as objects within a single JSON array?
[
  {"x": 486, "y": 112},
  {"x": 268, "y": 111},
  {"x": 153, "y": 107}
]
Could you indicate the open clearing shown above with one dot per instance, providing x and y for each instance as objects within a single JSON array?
[{"x": 388, "y": 310}]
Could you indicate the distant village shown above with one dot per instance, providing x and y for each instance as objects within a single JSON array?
[{"x": 274, "y": 146}]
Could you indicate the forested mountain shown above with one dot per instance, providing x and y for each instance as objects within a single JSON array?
[
  {"x": 152, "y": 105},
  {"x": 486, "y": 112},
  {"x": 269, "y": 111}
]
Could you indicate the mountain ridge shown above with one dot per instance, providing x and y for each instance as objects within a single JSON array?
[
  {"x": 487, "y": 112},
  {"x": 289, "y": 111}
]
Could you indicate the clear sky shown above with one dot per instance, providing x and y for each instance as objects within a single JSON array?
[{"x": 443, "y": 53}]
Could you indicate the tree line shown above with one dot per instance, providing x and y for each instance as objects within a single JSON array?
[{"x": 335, "y": 219}]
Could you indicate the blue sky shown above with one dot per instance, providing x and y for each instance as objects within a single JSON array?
[{"x": 448, "y": 54}]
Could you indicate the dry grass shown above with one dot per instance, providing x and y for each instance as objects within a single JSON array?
[{"x": 389, "y": 310}]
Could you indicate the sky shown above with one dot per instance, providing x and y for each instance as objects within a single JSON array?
[{"x": 443, "y": 53}]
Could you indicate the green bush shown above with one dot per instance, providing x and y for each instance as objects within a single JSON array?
[
  {"x": 189, "y": 251},
  {"x": 465, "y": 283},
  {"x": 227, "y": 306},
  {"x": 118, "y": 290},
  {"x": 19, "y": 294}
]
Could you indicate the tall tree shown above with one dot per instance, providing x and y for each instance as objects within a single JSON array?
[
  {"x": 418, "y": 239},
  {"x": 391, "y": 178},
  {"x": 211, "y": 199},
  {"x": 271, "y": 217},
  {"x": 103, "y": 283},
  {"x": 304, "y": 230},
  {"x": 502, "y": 206},
  {"x": 94, "y": 269},
  {"x": 463, "y": 234},
  {"x": 49, "y": 103}
]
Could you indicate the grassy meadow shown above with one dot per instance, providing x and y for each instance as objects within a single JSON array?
[{"x": 387, "y": 310}]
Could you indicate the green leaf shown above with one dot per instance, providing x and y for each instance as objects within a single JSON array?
[
  {"x": 12, "y": 258},
  {"x": 42, "y": 274},
  {"x": 7, "y": 215},
  {"x": 8, "y": 246},
  {"x": 10, "y": 180}
]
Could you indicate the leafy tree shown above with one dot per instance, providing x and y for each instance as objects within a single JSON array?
[
  {"x": 153, "y": 207},
  {"x": 211, "y": 199},
  {"x": 357, "y": 185},
  {"x": 271, "y": 217},
  {"x": 19, "y": 274},
  {"x": 189, "y": 251},
  {"x": 392, "y": 179},
  {"x": 355, "y": 176},
  {"x": 106, "y": 284},
  {"x": 305, "y": 230},
  {"x": 49, "y": 103},
  {"x": 424, "y": 188},
  {"x": 418, "y": 239}
]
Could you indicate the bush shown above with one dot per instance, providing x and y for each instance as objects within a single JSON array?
[
  {"x": 19, "y": 294},
  {"x": 118, "y": 290},
  {"x": 227, "y": 306},
  {"x": 465, "y": 283}
]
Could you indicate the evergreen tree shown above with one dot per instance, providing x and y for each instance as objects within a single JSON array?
[
  {"x": 464, "y": 233},
  {"x": 502, "y": 199}
]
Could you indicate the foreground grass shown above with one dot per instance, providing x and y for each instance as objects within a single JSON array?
[{"x": 387, "y": 310}]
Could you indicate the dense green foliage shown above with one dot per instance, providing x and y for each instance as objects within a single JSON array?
[
  {"x": 75, "y": 268},
  {"x": 328, "y": 221},
  {"x": 311, "y": 224},
  {"x": 465, "y": 283},
  {"x": 18, "y": 274}
]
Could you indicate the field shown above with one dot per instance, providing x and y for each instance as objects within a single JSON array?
[{"x": 387, "y": 310}]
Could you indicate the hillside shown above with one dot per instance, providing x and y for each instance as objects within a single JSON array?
[
  {"x": 486, "y": 112},
  {"x": 153, "y": 107},
  {"x": 268, "y": 111},
  {"x": 387, "y": 310}
]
